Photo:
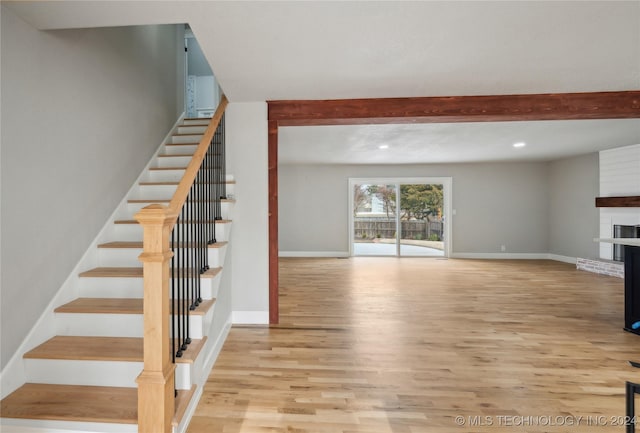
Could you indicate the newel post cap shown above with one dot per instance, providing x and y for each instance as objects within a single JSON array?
[{"x": 156, "y": 214}]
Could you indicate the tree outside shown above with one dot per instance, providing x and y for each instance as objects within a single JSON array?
[{"x": 374, "y": 211}]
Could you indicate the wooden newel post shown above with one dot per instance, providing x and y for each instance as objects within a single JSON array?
[{"x": 156, "y": 398}]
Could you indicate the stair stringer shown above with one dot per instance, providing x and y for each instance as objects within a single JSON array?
[
  {"x": 14, "y": 374},
  {"x": 220, "y": 326}
]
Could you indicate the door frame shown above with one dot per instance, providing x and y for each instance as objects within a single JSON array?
[
  {"x": 438, "y": 109},
  {"x": 447, "y": 191}
]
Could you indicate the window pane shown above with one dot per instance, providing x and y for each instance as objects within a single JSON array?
[{"x": 374, "y": 220}]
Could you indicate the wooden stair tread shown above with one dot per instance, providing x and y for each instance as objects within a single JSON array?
[
  {"x": 182, "y": 144},
  {"x": 182, "y": 403},
  {"x": 197, "y": 221},
  {"x": 115, "y": 272},
  {"x": 130, "y": 272},
  {"x": 194, "y": 348},
  {"x": 121, "y": 244},
  {"x": 197, "y": 118},
  {"x": 118, "y": 306},
  {"x": 168, "y": 200},
  {"x": 138, "y": 245},
  {"x": 166, "y": 168},
  {"x": 72, "y": 403},
  {"x": 103, "y": 306},
  {"x": 228, "y": 182},
  {"x": 120, "y": 349},
  {"x": 178, "y": 168},
  {"x": 89, "y": 349},
  {"x": 188, "y": 133},
  {"x": 177, "y": 155}
]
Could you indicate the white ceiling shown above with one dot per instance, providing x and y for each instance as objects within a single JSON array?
[
  {"x": 266, "y": 50},
  {"x": 452, "y": 142}
]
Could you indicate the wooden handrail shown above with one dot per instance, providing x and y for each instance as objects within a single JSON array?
[
  {"x": 156, "y": 383},
  {"x": 190, "y": 173}
]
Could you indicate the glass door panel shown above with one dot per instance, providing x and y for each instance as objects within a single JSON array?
[
  {"x": 374, "y": 220},
  {"x": 421, "y": 220}
]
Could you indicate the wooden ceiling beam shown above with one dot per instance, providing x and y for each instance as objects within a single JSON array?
[{"x": 451, "y": 109}]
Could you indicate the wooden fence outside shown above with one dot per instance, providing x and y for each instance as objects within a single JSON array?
[{"x": 369, "y": 228}]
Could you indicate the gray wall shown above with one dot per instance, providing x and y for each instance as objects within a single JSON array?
[
  {"x": 496, "y": 204},
  {"x": 246, "y": 138},
  {"x": 82, "y": 113},
  {"x": 575, "y": 220}
]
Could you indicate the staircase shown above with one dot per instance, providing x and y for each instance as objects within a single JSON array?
[{"x": 84, "y": 377}]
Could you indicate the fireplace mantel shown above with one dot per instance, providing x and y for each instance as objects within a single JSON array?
[
  {"x": 625, "y": 201},
  {"x": 621, "y": 241}
]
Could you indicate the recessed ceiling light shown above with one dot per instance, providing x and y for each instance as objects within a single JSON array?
[
  {"x": 519, "y": 144},
  {"x": 383, "y": 146}
]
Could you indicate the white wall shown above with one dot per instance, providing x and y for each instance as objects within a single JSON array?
[
  {"x": 619, "y": 176},
  {"x": 496, "y": 204},
  {"x": 573, "y": 216},
  {"x": 246, "y": 129},
  {"x": 82, "y": 113}
]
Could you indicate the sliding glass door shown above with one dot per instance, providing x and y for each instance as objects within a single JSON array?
[
  {"x": 399, "y": 217},
  {"x": 421, "y": 219},
  {"x": 374, "y": 220}
]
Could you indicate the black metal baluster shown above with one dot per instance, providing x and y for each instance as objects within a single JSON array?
[
  {"x": 195, "y": 229},
  {"x": 173, "y": 295},
  {"x": 212, "y": 188},
  {"x": 186, "y": 270},
  {"x": 217, "y": 175},
  {"x": 203, "y": 264},
  {"x": 180, "y": 262},
  {"x": 223, "y": 165},
  {"x": 194, "y": 273}
]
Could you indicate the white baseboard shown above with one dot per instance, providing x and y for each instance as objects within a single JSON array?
[
  {"x": 313, "y": 254},
  {"x": 250, "y": 317},
  {"x": 16, "y": 425},
  {"x": 565, "y": 259},
  {"x": 215, "y": 352},
  {"x": 488, "y": 256},
  {"x": 506, "y": 256},
  {"x": 516, "y": 256}
]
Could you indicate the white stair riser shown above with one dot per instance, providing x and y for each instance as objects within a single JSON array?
[
  {"x": 120, "y": 325},
  {"x": 217, "y": 256},
  {"x": 99, "y": 325},
  {"x": 192, "y": 129},
  {"x": 128, "y": 257},
  {"x": 157, "y": 191},
  {"x": 204, "y": 121},
  {"x": 133, "y": 287},
  {"x": 167, "y": 191},
  {"x": 191, "y": 138},
  {"x": 165, "y": 175},
  {"x": 180, "y": 150},
  {"x": 76, "y": 372},
  {"x": 169, "y": 176},
  {"x": 186, "y": 373},
  {"x": 95, "y": 373},
  {"x": 173, "y": 161},
  {"x": 133, "y": 232},
  {"x": 133, "y": 208}
]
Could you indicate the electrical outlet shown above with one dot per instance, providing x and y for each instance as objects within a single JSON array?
[{"x": 503, "y": 248}]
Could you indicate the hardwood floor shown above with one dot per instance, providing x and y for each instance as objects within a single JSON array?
[{"x": 408, "y": 345}]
